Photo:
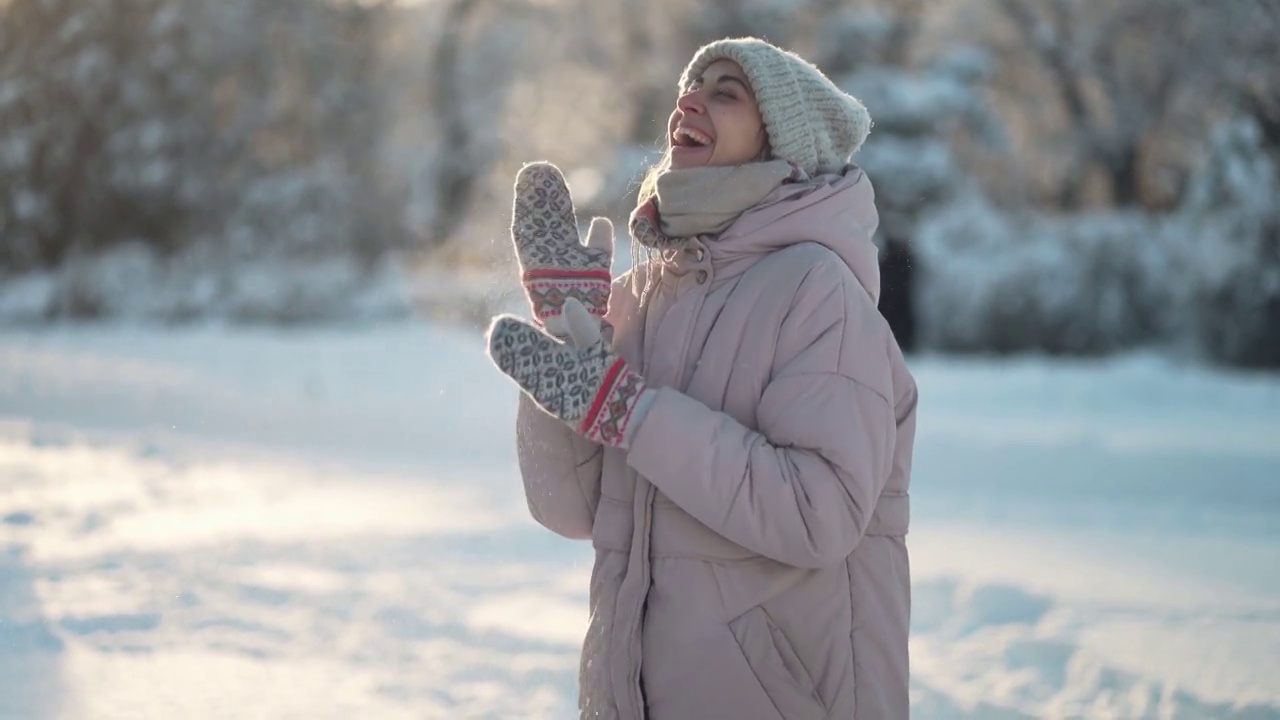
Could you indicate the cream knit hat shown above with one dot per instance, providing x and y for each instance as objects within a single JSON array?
[{"x": 810, "y": 121}]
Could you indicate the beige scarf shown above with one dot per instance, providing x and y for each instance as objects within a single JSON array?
[{"x": 705, "y": 201}]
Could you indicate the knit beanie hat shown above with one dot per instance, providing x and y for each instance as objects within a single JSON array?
[{"x": 810, "y": 121}]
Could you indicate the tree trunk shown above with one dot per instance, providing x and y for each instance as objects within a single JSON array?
[{"x": 454, "y": 178}]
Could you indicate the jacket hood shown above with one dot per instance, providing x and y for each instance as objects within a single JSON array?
[{"x": 834, "y": 210}]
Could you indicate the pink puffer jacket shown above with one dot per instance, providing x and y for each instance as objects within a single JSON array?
[{"x": 751, "y": 560}]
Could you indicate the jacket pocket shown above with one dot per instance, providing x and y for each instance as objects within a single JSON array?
[{"x": 777, "y": 666}]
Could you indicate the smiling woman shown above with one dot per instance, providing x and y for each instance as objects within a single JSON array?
[
  {"x": 731, "y": 424},
  {"x": 717, "y": 120}
]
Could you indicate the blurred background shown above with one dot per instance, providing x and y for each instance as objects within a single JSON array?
[
  {"x": 254, "y": 462},
  {"x": 1062, "y": 177}
]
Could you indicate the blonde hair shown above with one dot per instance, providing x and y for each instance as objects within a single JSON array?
[
  {"x": 639, "y": 253},
  {"x": 649, "y": 186}
]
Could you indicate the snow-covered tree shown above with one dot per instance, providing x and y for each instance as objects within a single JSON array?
[
  {"x": 248, "y": 123},
  {"x": 300, "y": 115},
  {"x": 1230, "y": 244},
  {"x": 102, "y": 109}
]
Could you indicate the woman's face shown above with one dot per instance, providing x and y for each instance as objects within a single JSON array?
[{"x": 716, "y": 120}]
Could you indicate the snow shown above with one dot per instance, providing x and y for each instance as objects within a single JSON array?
[{"x": 327, "y": 522}]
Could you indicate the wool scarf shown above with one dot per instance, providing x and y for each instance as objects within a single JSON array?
[{"x": 692, "y": 202}]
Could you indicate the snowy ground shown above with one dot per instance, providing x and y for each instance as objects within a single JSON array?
[{"x": 213, "y": 523}]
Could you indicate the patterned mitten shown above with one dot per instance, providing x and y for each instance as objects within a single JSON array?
[
  {"x": 554, "y": 264},
  {"x": 589, "y": 387}
]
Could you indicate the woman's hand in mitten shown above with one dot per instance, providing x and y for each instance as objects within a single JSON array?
[
  {"x": 555, "y": 265},
  {"x": 585, "y": 384}
]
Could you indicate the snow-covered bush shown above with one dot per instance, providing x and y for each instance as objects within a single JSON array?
[
  {"x": 132, "y": 282},
  {"x": 1204, "y": 279},
  {"x": 1078, "y": 284}
]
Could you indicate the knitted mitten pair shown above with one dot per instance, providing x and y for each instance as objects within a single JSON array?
[{"x": 568, "y": 368}]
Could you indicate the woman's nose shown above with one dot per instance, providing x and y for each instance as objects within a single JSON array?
[{"x": 689, "y": 104}]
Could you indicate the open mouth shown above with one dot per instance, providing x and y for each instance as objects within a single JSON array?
[{"x": 689, "y": 138}]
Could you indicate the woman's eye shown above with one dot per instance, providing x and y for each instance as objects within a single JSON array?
[{"x": 726, "y": 94}]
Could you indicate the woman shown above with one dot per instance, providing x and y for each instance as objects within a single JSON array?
[{"x": 735, "y": 438}]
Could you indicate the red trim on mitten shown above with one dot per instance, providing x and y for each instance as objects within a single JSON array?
[{"x": 606, "y": 421}]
